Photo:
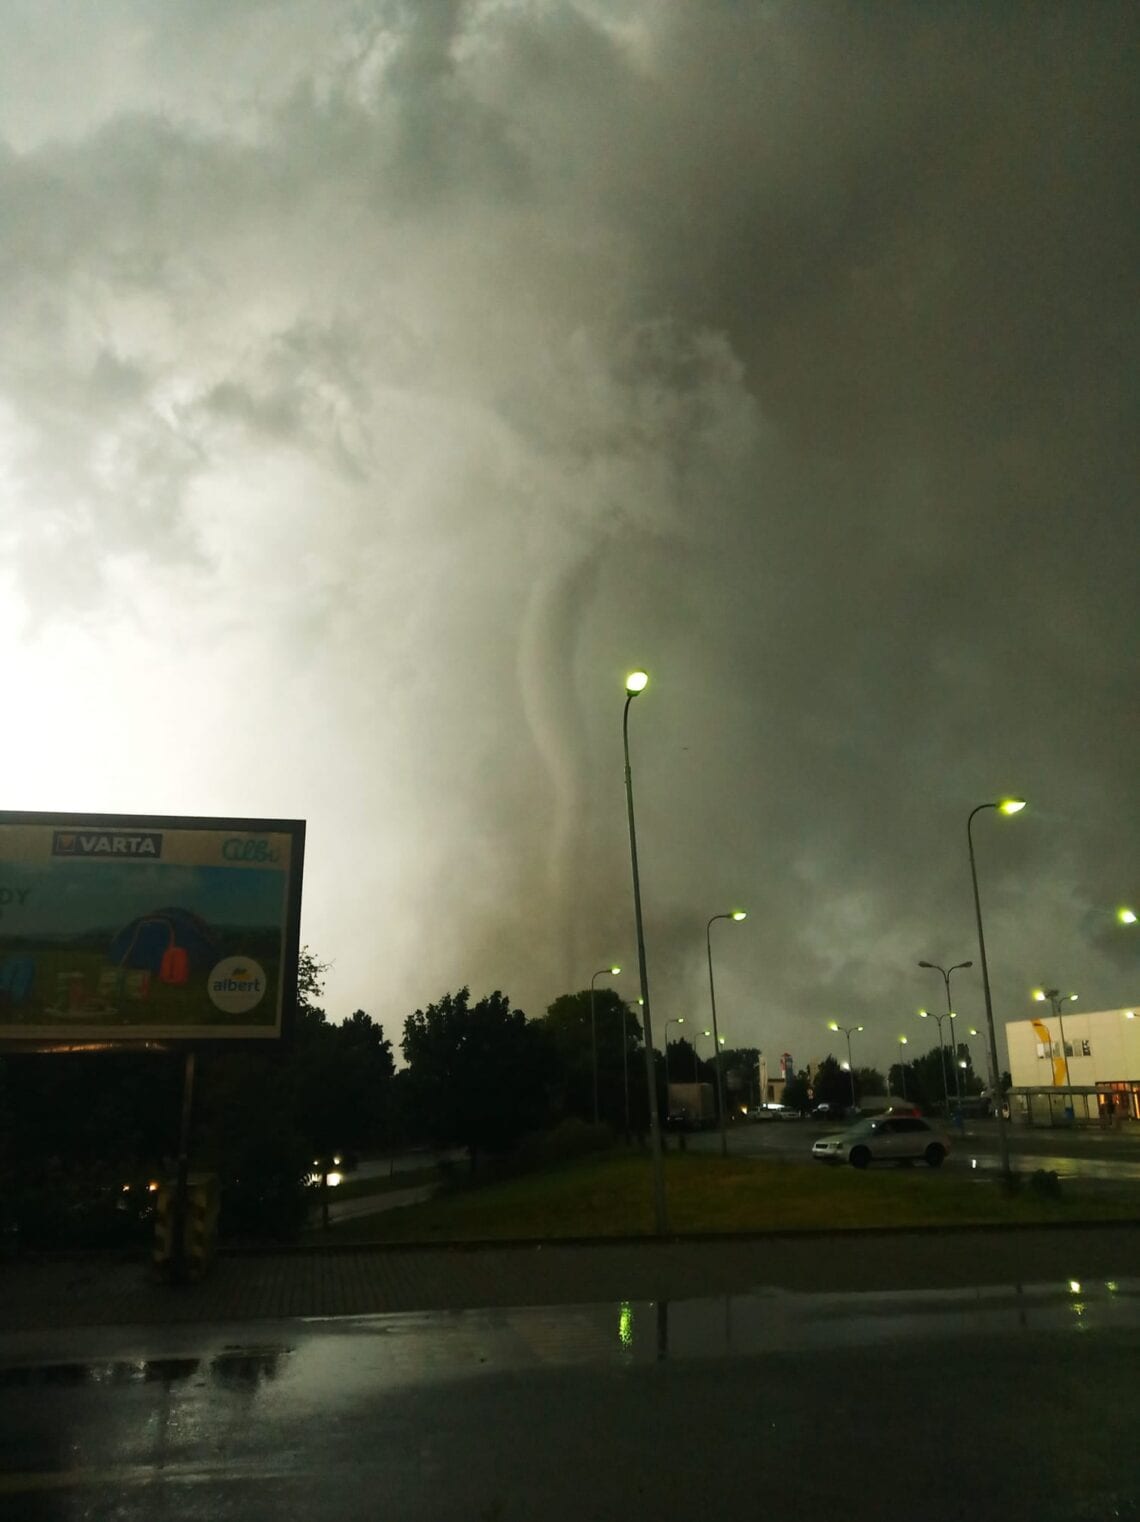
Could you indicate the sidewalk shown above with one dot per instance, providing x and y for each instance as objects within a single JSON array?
[{"x": 43, "y": 1293}]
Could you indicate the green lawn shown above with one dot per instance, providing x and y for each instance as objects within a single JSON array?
[{"x": 611, "y": 1197}]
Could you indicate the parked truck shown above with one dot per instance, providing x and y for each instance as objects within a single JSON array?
[{"x": 691, "y": 1106}]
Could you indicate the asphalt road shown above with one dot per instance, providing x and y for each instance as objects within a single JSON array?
[
  {"x": 1070, "y": 1154},
  {"x": 992, "y": 1401}
]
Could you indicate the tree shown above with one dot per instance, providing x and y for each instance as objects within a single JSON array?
[
  {"x": 869, "y": 1081},
  {"x": 832, "y": 1084},
  {"x": 797, "y": 1091},
  {"x": 740, "y": 1066},
  {"x": 567, "y": 1024},
  {"x": 479, "y": 1074}
]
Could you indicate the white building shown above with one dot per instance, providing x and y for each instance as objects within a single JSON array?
[{"x": 1096, "y": 1075}]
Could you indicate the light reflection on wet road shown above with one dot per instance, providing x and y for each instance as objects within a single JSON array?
[{"x": 621, "y": 1410}]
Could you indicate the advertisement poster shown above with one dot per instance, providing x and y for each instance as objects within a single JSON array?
[{"x": 130, "y": 928}]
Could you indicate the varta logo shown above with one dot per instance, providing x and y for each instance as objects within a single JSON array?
[{"x": 99, "y": 843}]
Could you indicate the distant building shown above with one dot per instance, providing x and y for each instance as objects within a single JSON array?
[{"x": 1094, "y": 1077}]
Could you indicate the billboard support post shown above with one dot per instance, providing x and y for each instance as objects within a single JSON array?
[{"x": 182, "y": 1182}]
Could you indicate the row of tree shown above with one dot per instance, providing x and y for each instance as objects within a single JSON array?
[{"x": 478, "y": 1074}]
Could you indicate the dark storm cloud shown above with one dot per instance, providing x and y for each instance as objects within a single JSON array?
[{"x": 443, "y": 360}]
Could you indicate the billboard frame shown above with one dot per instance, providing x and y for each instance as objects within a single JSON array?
[{"x": 136, "y": 1038}]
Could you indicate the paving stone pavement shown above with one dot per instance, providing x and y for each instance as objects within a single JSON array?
[{"x": 46, "y": 1292}]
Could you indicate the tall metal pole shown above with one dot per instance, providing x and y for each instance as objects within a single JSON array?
[
  {"x": 680, "y": 1020},
  {"x": 941, "y": 1057},
  {"x": 834, "y": 1025},
  {"x": 850, "y": 1068},
  {"x": 594, "y": 1032},
  {"x": 625, "y": 1061},
  {"x": 594, "y": 1047},
  {"x": 953, "y": 1041},
  {"x": 902, "y": 1066},
  {"x": 1064, "y": 1049},
  {"x": 946, "y": 971},
  {"x": 716, "y": 1037},
  {"x": 660, "y": 1211},
  {"x": 1003, "y": 1140},
  {"x": 1056, "y": 1000}
]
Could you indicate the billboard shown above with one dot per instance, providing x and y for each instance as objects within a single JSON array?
[{"x": 130, "y": 928}]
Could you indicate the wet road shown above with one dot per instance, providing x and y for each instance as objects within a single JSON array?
[
  {"x": 1068, "y": 1154},
  {"x": 1011, "y": 1401}
]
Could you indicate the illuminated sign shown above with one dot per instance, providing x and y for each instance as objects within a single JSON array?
[{"x": 121, "y": 928}]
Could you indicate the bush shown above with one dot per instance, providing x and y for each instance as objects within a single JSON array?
[
  {"x": 1046, "y": 1185},
  {"x": 567, "y": 1140}
]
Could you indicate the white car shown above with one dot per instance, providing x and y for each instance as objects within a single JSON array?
[{"x": 887, "y": 1139}]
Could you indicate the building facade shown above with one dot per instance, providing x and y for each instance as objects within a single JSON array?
[{"x": 1094, "y": 1073}]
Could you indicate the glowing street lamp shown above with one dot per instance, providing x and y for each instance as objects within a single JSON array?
[
  {"x": 1056, "y": 999},
  {"x": 902, "y": 1068},
  {"x": 1005, "y": 806},
  {"x": 636, "y": 683},
  {"x": 594, "y": 1031},
  {"x": 833, "y": 1025},
  {"x": 946, "y": 971},
  {"x": 925, "y": 1014},
  {"x": 1126, "y": 916},
  {"x": 734, "y": 914}
]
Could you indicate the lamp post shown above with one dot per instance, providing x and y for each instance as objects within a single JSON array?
[
  {"x": 833, "y": 1025},
  {"x": 636, "y": 683},
  {"x": 679, "y": 1021},
  {"x": 625, "y": 1061},
  {"x": 734, "y": 914},
  {"x": 974, "y": 1032},
  {"x": 902, "y": 1068},
  {"x": 1056, "y": 999},
  {"x": 946, "y": 971},
  {"x": 1005, "y": 806},
  {"x": 924, "y": 1014},
  {"x": 1126, "y": 916},
  {"x": 594, "y": 1032}
]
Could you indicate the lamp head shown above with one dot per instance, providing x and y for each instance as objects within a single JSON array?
[
  {"x": 926, "y": 964},
  {"x": 615, "y": 970},
  {"x": 739, "y": 914},
  {"x": 833, "y": 1025},
  {"x": 1126, "y": 916},
  {"x": 1011, "y": 805},
  {"x": 923, "y": 1014},
  {"x": 1072, "y": 997},
  {"x": 1039, "y": 995},
  {"x": 635, "y": 682},
  {"x": 858, "y": 1027},
  {"x": 902, "y": 1041}
]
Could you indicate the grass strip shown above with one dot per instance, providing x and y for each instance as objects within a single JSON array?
[{"x": 611, "y": 1197}]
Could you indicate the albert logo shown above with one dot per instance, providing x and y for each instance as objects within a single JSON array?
[
  {"x": 236, "y": 984},
  {"x": 146, "y": 844}
]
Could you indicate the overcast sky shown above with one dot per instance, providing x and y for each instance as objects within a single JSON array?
[{"x": 379, "y": 383}]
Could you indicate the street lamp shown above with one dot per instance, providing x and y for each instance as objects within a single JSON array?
[
  {"x": 1126, "y": 916},
  {"x": 1056, "y": 999},
  {"x": 1002, "y": 806},
  {"x": 902, "y": 1068},
  {"x": 924, "y": 1014},
  {"x": 734, "y": 914},
  {"x": 679, "y": 1021},
  {"x": 594, "y": 1032},
  {"x": 833, "y": 1025},
  {"x": 636, "y": 683},
  {"x": 946, "y": 971}
]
